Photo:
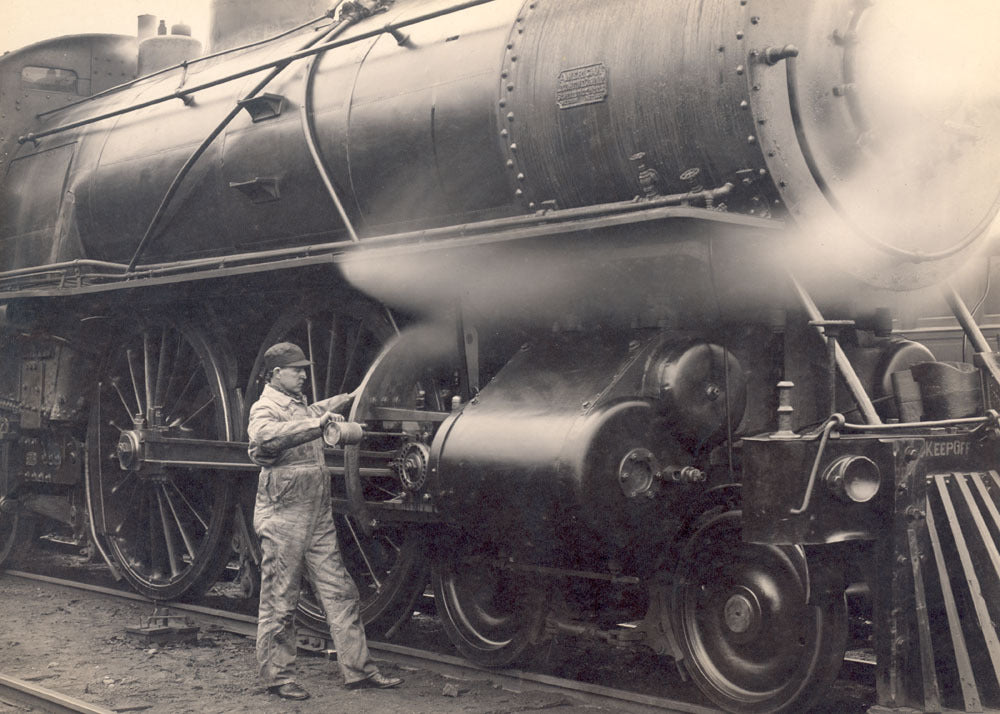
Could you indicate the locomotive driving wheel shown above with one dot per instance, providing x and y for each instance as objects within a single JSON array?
[
  {"x": 168, "y": 531},
  {"x": 489, "y": 613},
  {"x": 751, "y": 641},
  {"x": 388, "y": 564}
]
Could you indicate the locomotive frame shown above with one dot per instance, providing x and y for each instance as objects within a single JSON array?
[{"x": 715, "y": 470}]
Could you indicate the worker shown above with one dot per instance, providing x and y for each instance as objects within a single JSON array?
[{"x": 293, "y": 518}]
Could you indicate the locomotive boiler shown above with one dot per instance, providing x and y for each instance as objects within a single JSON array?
[{"x": 617, "y": 282}]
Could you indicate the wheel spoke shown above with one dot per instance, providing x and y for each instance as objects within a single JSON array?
[
  {"x": 352, "y": 352},
  {"x": 180, "y": 524},
  {"x": 172, "y": 376},
  {"x": 130, "y": 355},
  {"x": 364, "y": 554},
  {"x": 392, "y": 543},
  {"x": 195, "y": 413},
  {"x": 179, "y": 401},
  {"x": 124, "y": 479},
  {"x": 161, "y": 364},
  {"x": 147, "y": 357},
  {"x": 167, "y": 536},
  {"x": 128, "y": 409},
  {"x": 191, "y": 508},
  {"x": 329, "y": 356}
]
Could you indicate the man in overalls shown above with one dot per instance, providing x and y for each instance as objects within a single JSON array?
[{"x": 292, "y": 516}]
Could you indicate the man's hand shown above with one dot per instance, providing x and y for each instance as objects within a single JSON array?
[{"x": 328, "y": 417}]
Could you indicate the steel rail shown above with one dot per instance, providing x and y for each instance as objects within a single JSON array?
[
  {"x": 20, "y": 694},
  {"x": 511, "y": 679}
]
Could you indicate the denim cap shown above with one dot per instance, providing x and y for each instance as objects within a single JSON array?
[{"x": 284, "y": 354}]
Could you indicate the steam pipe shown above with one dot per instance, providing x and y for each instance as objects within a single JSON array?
[
  {"x": 861, "y": 397},
  {"x": 309, "y": 129},
  {"x": 277, "y": 63}
]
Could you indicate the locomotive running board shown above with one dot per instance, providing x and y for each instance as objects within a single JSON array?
[{"x": 940, "y": 648}]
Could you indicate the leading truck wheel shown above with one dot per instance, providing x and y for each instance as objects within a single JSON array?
[
  {"x": 751, "y": 641},
  {"x": 168, "y": 532},
  {"x": 388, "y": 565}
]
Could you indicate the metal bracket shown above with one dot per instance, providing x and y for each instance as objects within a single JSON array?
[
  {"x": 263, "y": 106},
  {"x": 259, "y": 190}
]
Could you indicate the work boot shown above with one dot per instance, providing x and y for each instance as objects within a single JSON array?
[{"x": 376, "y": 681}]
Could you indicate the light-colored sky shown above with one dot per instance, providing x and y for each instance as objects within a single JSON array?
[{"x": 23, "y": 22}]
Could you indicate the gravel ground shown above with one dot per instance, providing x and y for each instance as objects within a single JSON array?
[{"x": 76, "y": 643}]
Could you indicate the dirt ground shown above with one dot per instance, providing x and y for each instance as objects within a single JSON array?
[{"x": 76, "y": 643}]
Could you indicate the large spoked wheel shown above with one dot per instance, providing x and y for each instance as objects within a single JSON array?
[
  {"x": 490, "y": 614},
  {"x": 751, "y": 641},
  {"x": 389, "y": 566},
  {"x": 168, "y": 532}
]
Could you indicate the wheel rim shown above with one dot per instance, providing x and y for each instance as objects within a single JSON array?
[
  {"x": 388, "y": 566},
  {"x": 752, "y": 641},
  {"x": 169, "y": 533}
]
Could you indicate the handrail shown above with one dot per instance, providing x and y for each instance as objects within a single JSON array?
[{"x": 280, "y": 62}]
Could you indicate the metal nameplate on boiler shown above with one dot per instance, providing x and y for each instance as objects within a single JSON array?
[{"x": 582, "y": 85}]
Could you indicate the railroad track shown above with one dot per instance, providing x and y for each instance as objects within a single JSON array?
[
  {"x": 28, "y": 696},
  {"x": 511, "y": 679}
]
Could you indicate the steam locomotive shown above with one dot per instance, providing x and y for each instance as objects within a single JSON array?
[{"x": 626, "y": 288}]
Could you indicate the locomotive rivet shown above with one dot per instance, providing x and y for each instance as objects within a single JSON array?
[
  {"x": 502, "y": 103},
  {"x": 754, "y": 20},
  {"x": 520, "y": 177},
  {"x": 510, "y": 45},
  {"x": 770, "y": 154},
  {"x": 722, "y": 48},
  {"x": 531, "y": 205},
  {"x": 739, "y": 69},
  {"x": 510, "y": 163},
  {"x": 518, "y": 192},
  {"x": 504, "y": 132},
  {"x": 762, "y": 172},
  {"x": 513, "y": 58},
  {"x": 739, "y": 35},
  {"x": 504, "y": 74},
  {"x": 756, "y": 87},
  {"x": 510, "y": 116},
  {"x": 751, "y": 139},
  {"x": 510, "y": 87},
  {"x": 513, "y": 147},
  {"x": 744, "y": 104},
  {"x": 520, "y": 30},
  {"x": 762, "y": 121},
  {"x": 783, "y": 184}
]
